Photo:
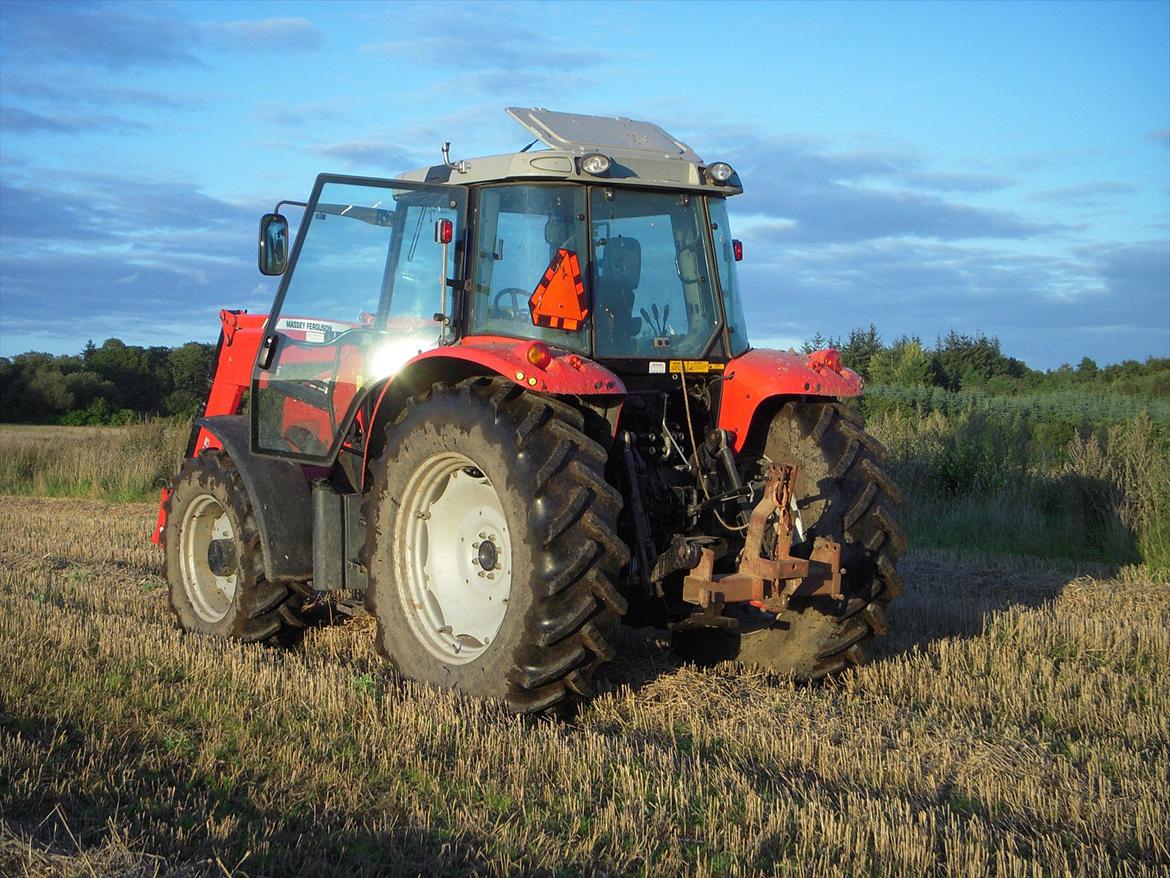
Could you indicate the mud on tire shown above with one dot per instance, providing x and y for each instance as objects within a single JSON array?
[
  {"x": 213, "y": 559},
  {"x": 843, "y": 493},
  {"x": 553, "y": 535}
]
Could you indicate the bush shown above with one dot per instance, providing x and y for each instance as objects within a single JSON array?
[{"x": 1003, "y": 482}]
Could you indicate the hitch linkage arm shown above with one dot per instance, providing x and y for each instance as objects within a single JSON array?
[{"x": 770, "y": 582}]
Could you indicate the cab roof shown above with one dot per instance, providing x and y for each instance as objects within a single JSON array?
[{"x": 640, "y": 153}]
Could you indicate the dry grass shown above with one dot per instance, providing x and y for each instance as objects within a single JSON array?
[
  {"x": 1129, "y": 471},
  {"x": 1017, "y": 723},
  {"x": 117, "y": 463}
]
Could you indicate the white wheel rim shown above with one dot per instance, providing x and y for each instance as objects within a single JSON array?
[
  {"x": 453, "y": 558},
  {"x": 210, "y": 593}
]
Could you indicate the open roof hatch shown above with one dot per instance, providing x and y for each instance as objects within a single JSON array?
[{"x": 575, "y": 132}]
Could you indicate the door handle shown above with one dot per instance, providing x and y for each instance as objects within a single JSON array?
[{"x": 267, "y": 351}]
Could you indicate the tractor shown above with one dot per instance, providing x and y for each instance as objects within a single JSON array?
[{"x": 511, "y": 403}]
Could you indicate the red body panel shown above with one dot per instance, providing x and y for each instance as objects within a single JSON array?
[
  {"x": 242, "y": 334},
  {"x": 759, "y": 375},
  {"x": 567, "y": 373}
]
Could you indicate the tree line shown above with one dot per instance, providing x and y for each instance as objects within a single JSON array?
[
  {"x": 975, "y": 363},
  {"x": 117, "y": 383}
]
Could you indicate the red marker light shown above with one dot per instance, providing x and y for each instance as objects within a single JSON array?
[
  {"x": 830, "y": 357},
  {"x": 539, "y": 355},
  {"x": 737, "y": 249},
  {"x": 444, "y": 231}
]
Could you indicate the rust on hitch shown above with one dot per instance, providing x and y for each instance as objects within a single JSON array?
[{"x": 768, "y": 582}]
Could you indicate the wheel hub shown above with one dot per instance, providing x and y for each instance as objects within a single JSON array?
[
  {"x": 208, "y": 558},
  {"x": 454, "y": 557},
  {"x": 488, "y": 556},
  {"x": 221, "y": 557}
]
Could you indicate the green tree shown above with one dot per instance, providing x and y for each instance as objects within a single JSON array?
[
  {"x": 140, "y": 385},
  {"x": 863, "y": 344},
  {"x": 48, "y": 394},
  {"x": 87, "y": 387},
  {"x": 904, "y": 363},
  {"x": 189, "y": 367},
  {"x": 966, "y": 361}
]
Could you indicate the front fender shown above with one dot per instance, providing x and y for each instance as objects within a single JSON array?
[
  {"x": 752, "y": 379},
  {"x": 281, "y": 500}
]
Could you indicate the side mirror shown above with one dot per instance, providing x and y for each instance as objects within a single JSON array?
[{"x": 273, "y": 245}]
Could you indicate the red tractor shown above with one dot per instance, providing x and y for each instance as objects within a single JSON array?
[{"x": 513, "y": 402}]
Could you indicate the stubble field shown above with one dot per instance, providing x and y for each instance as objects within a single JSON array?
[{"x": 1015, "y": 722}]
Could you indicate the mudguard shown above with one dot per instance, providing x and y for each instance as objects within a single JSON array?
[
  {"x": 281, "y": 500},
  {"x": 565, "y": 372},
  {"x": 752, "y": 379}
]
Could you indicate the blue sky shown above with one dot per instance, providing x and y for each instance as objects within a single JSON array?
[{"x": 993, "y": 167}]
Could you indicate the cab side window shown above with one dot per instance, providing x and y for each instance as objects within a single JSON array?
[{"x": 521, "y": 230}]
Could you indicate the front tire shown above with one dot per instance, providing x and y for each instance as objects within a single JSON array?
[
  {"x": 491, "y": 546},
  {"x": 214, "y": 561},
  {"x": 844, "y": 494}
]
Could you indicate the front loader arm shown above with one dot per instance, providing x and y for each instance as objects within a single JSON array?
[{"x": 231, "y": 374}]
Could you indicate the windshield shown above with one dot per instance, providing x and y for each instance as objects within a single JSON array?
[
  {"x": 646, "y": 280},
  {"x": 652, "y": 284}
]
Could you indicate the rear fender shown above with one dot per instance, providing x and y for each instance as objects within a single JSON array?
[
  {"x": 567, "y": 374},
  {"x": 281, "y": 500},
  {"x": 754, "y": 382}
]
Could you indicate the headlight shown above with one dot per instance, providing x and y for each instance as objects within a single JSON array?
[
  {"x": 595, "y": 163},
  {"x": 720, "y": 172}
]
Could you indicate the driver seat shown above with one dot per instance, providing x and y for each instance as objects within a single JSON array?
[{"x": 619, "y": 275}]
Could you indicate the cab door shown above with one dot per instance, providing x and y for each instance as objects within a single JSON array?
[{"x": 372, "y": 266}]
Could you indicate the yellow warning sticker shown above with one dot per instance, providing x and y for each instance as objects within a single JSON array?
[{"x": 689, "y": 366}]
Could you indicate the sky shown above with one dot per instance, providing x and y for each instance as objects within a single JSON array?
[{"x": 1001, "y": 168}]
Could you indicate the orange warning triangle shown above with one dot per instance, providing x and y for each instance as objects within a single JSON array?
[{"x": 559, "y": 299}]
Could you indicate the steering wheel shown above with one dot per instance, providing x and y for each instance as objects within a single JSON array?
[{"x": 514, "y": 293}]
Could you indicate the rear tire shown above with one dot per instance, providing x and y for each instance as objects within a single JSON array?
[
  {"x": 214, "y": 561},
  {"x": 528, "y": 618},
  {"x": 843, "y": 493}
]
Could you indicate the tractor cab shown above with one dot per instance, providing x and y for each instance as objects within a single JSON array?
[{"x": 612, "y": 244}]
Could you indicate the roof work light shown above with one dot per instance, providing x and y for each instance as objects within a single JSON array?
[
  {"x": 595, "y": 163},
  {"x": 719, "y": 172}
]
